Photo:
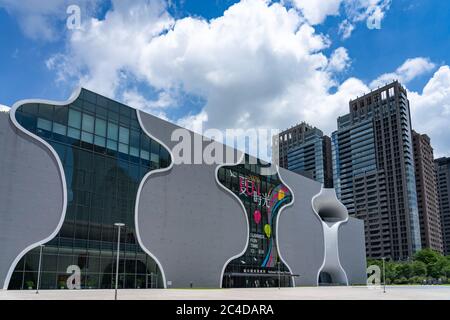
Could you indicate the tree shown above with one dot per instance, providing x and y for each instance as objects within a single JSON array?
[
  {"x": 427, "y": 256},
  {"x": 432, "y": 259},
  {"x": 446, "y": 271},
  {"x": 391, "y": 271},
  {"x": 436, "y": 269},
  {"x": 404, "y": 270},
  {"x": 426, "y": 264},
  {"x": 418, "y": 269}
]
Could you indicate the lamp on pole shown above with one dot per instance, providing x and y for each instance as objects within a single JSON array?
[
  {"x": 279, "y": 275},
  {"x": 118, "y": 225},
  {"x": 41, "y": 248},
  {"x": 384, "y": 274}
]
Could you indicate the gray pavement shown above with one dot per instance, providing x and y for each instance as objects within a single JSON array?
[{"x": 306, "y": 293}]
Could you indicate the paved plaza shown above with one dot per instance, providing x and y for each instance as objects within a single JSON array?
[{"x": 310, "y": 293}]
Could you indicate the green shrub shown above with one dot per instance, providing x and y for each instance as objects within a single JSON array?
[
  {"x": 401, "y": 280},
  {"x": 417, "y": 280}
]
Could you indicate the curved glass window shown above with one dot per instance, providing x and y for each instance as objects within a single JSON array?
[{"x": 103, "y": 175}]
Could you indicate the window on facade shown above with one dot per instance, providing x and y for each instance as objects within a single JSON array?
[
  {"x": 100, "y": 127},
  {"x": 87, "y": 137},
  {"x": 88, "y": 123},
  {"x": 74, "y": 119},
  {"x": 112, "y": 145},
  {"x": 113, "y": 131},
  {"x": 391, "y": 92},
  {"x": 124, "y": 135},
  {"x": 44, "y": 124},
  {"x": 59, "y": 128},
  {"x": 73, "y": 133},
  {"x": 100, "y": 141}
]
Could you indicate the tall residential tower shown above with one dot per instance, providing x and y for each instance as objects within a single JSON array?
[
  {"x": 442, "y": 167},
  {"x": 427, "y": 197},
  {"x": 373, "y": 167},
  {"x": 307, "y": 151}
]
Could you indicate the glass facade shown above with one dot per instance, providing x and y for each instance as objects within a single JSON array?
[
  {"x": 105, "y": 155},
  {"x": 308, "y": 157},
  {"x": 263, "y": 198},
  {"x": 374, "y": 171}
]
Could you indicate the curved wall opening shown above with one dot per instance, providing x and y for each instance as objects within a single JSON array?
[
  {"x": 328, "y": 207},
  {"x": 332, "y": 278}
]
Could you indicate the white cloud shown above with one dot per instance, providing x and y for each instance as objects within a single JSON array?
[
  {"x": 409, "y": 70},
  {"x": 259, "y": 65},
  {"x": 431, "y": 110},
  {"x": 354, "y": 11},
  {"x": 134, "y": 99},
  {"x": 4, "y": 108},
  {"x": 195, "y": 123},
  {"x": 346, "y": 28},
  {"x": 339, "y": 60},
  {"x": 372, "y": 12},
  {"x": 316, "y": 11},
  {"x": 44, "y": 19},
  {"x": 106, "y": 53}
]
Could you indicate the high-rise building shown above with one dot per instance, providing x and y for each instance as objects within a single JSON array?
[
  {"x": 427, "y": 198},
  {"x": 307, "y": 151},
  {"x": 373, "y": 167},
  {"x": 288, "y": 139},
  {"x": 442, "y": 169}
]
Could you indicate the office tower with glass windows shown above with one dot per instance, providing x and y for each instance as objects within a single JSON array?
[
  {"x": 307, "y": 151},
  {"x": 427, "y": 198},
  {"x": 442, "y": 170},
  {"x": 288, "y": 139},
  {"x": 373, "y": 167}
]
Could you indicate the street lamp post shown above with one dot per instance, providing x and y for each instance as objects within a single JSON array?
[
  {"x": 118, "y": 225},
  {"x": 41, "y": 248},
  {"x": 279, "y": 275},
  {"x": 384, "y": 274}
]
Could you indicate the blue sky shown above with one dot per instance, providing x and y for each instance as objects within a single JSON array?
[{"x": 209, "y": 62}]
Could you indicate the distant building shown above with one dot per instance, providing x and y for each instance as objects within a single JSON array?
[
  {"x": 307, "y": 151},
  {"x": 290, "y": 138},
  {"x": 373, "y": 167},
  {"x": 442, "y": 169},
  {"x": 427, "y": 196}
]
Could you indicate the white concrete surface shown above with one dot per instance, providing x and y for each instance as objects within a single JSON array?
[{"x": 313, "y": 293}]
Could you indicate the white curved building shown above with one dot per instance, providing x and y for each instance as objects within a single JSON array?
[{"x": 70, "y": 170}]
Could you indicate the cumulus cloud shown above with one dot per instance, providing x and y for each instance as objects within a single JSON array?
[
  {"x": 133, "y": 98},
  {"x": 260, "y": 65},
  {"x": 431, "y": 110},
  {"x": 4, "y": 108},
  {"x": 346, "y": 29},
  {"x": 44, "y": 19},
  {"x": 106, "y": 53},
  {"x": 372, "y": 12},
  {"x": 354, "y": 11},
  {"x": 316, "y": 11},
  {"x": 409, "y": 70},
  {"x": 339, "y": 60}
]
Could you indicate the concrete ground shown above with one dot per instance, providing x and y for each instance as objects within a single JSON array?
[{"x": 313, "y": 293}]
